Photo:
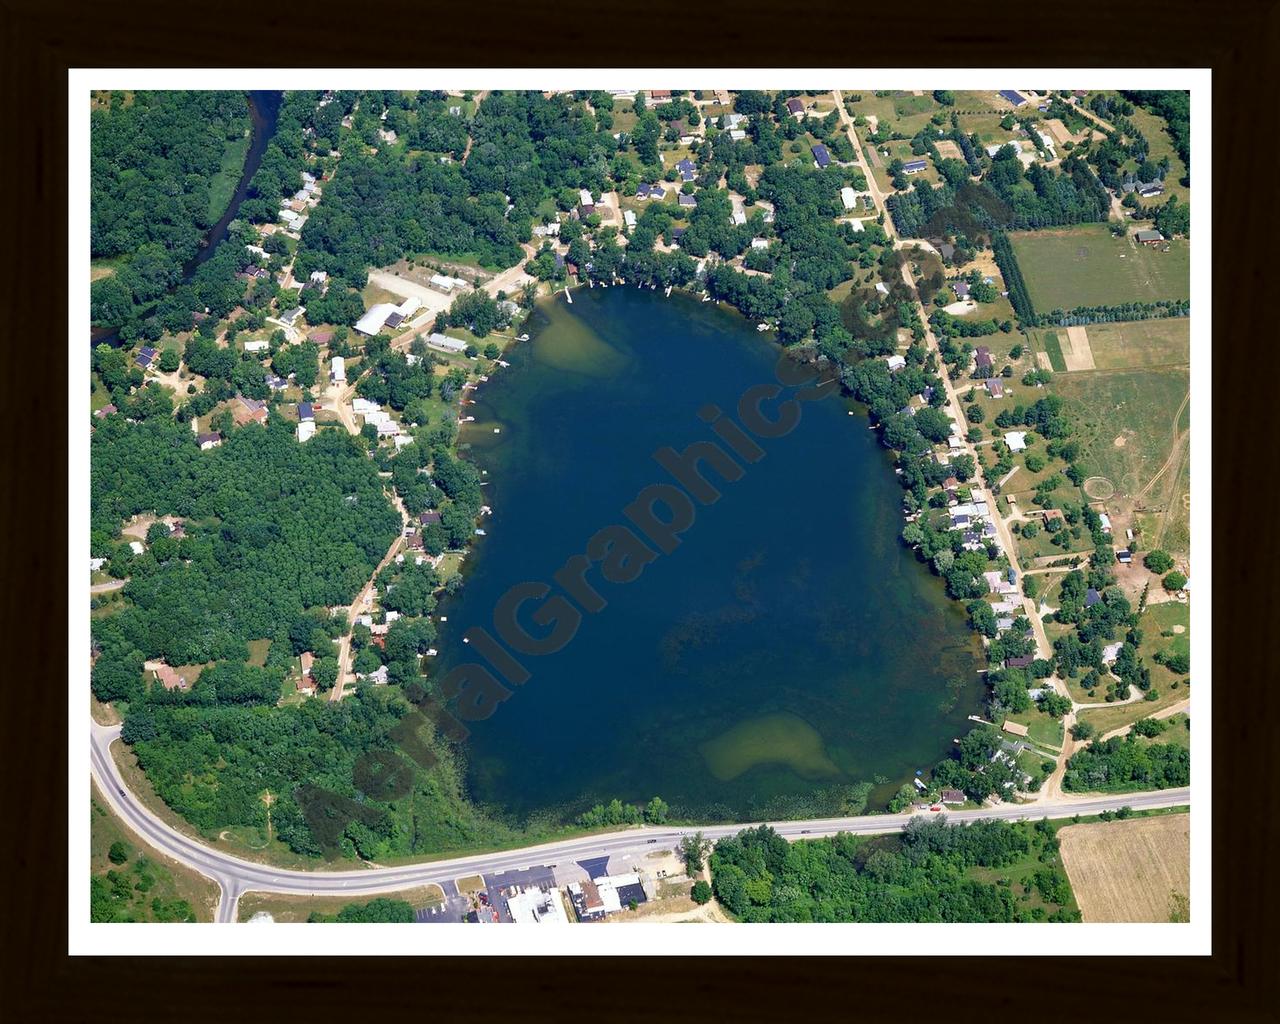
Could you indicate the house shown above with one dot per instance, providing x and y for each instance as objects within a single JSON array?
[
  {"x": 737, "y": 134},
  {"x": 629, "y": 218},
  {"x": 363, "y": 407},
  {"x": 962, "y": 288},
  {"x": 1016, "y": 440},
  {"x": 95, "y": 564},
  {"x": 429, "y": 517},
  {"x": 1111, "y": 652},
  {"x": 534, "y": 906},
  {"x": 982, "y": 360},
  {"x": 306, "y": 430},
  {"x": 249, "y": 410},
  {"x": 257, "y": 346},
  {"x": 914, "y": 166},
  {"x": 1013, "y": 728},
  {"x": 994, "y": 388},
  {"x": 759, "y": 243},
  {"x": 414, "y": 543},
  {"x": 654, "y": 191},
  {"x": 104, "y": 412},
  {"x": 1022, "y": 661},
  {"x": 136, "y": 547},
  {"x": 338, "y": 370},
  {"x": 952, "y": 796},
  {"x": 795, "y": 107},
  {"x": 306, "y": 411},
  {"x": 290, "y": 316},
  {"x": 958, "y": 521},
  {"x": 319, "y": 277},
  {"x": 1124, "y": 556},
  {"x": 145, "y": 356},
  {"x": 1091, "y": 597},
  {"x": 1105, "y": 520},
  {"x": 584, "y": 197},
  {"x": 207, "y": 441},
  {"x": 276, "y": 383},
  {"x": 687, "y": 201},
  {"x": 1050, "y": 514},
  {"x": 446, "y": 344},
  {"x": 321, "y": 337},
  {"x": 895, "y": 363},
  {"x": 882, "y": 288},
  {"x": 738, "y": 218},
  {"x": 1016, "y": 98},
  {"x": 821, "y": 158},
  {"x": 168, "y": 678},
  {"x": 688, "y": 169},
  {"x": 947, "y": 250},
  {"x": 374, "y": 319},
  {"x": 1148, "y": 237},
  {"x": 306, "y": 684},
  {"x": 659, "y": 94},
  {"x": 378, "y": 677},
  {"x": 848, "y": 197}
]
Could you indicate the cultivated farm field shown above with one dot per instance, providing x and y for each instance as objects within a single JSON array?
[
  {"x": 1130, "y": 870},
  {"x": 1082, "y": 266},
  {"x": 1119, "y": 346}
]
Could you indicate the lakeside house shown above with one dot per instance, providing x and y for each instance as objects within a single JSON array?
[
  {"x": 444, "y": 343},
  {"x": 1014, "y": 728}
]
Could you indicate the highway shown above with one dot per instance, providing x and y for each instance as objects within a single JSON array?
[{"x": 235, "y": 876}]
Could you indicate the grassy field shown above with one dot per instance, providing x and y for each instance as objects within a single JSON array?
[
  {"x": 1123, "y": 346},
  {"x": 1082, "y": 266},
  {"x": 150, "y": 887},
  {"x": 258, "y": 652},
  {"x": 286, "y": 908},
  {"x": 222, "y": 186},
  {"x": 1125, "y": 421},
  {"x": 1129, "y": 870},
  {"x": 1042, "y": 730}
]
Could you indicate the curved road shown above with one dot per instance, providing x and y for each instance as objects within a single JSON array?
[{"x": 235, "y": 876}]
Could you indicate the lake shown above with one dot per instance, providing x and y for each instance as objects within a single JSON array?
[{"x": 789, "y": 648}]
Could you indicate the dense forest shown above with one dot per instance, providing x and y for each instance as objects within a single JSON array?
[
  {"x": 152, "y": 158},
  {"x": 921, "y": 876}
]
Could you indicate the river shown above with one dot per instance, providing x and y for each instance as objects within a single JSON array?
[
  {"x": 264, "y": 108},
  {"x": 788, "y": 648}
]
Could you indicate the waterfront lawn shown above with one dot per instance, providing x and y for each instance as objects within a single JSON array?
[
  {"x": 1125, "y": 421},
  {"x": 1082, "y": 266},
  {"x": 1042, "y": 730}
]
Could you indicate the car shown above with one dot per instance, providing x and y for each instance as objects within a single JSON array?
[
  {"x": 652, "y": 840},
  {"x": 120, "y": 791},
  {"x": 804, "y": 831},
  {"x": 936, "y": 807}
]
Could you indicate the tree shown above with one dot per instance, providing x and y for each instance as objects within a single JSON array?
[
  {"x": 1174, "y": 581},
  {"x": 169, "y": 360},
  {"x": 701, "y": 892},
  {"x": 1083, "y": 730},
  {"x": 693, "y": 849},
  {"x": 655, "y": 811},
  {"x": 1159, "y": 562},
  {"x": 119, "y": 853}
]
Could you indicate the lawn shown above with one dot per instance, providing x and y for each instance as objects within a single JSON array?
[
  {"x": 1042, "y": 730},
  {"x": 285, "y": 908},
  {"x": 1052, "y": 346},
  {"x": 1125, "y": 421},
  {"x": 1156, "y": 131},
  {"x": 1082, "y": 266},
  {"x": 258, "y": 652},
  {"x": 148, "y": 877},
  {"x": 222, "y": 186}
]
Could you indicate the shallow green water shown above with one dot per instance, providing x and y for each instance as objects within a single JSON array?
[{"x": 787, "y": 647}]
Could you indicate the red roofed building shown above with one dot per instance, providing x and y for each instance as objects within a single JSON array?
[{"x": 169, "y": 679}]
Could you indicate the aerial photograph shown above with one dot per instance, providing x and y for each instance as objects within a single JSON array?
[{"x": 615, "y": 506}]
